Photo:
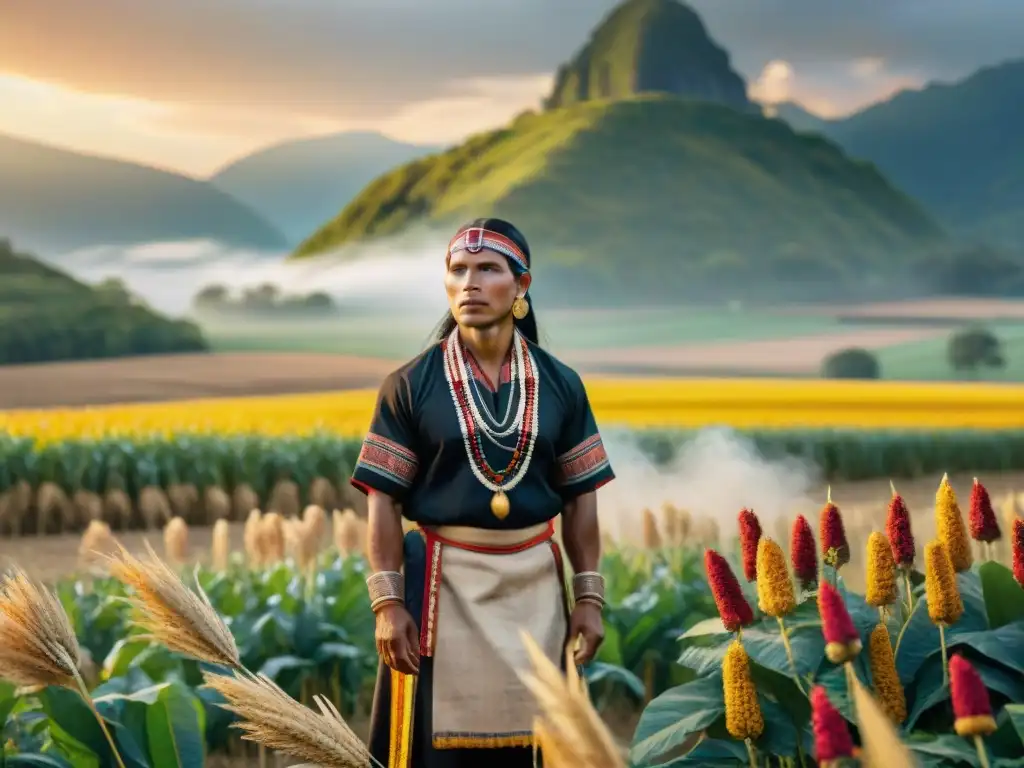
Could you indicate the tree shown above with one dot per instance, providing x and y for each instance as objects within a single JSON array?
[
  {"x": 211, "y": 297},
  {"x": 851, "y": 363},
  {"x": 975, "y": 347}
]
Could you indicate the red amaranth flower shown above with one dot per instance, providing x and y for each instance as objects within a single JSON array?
[
  {"x": 833, "y": 535},
  {"x": 1018, "y": 550},
  {"x": 982, "y": 518},
  {"x": 832, "y": 740},
  {"x": 971, "y": 706},
  {"x": 897, "y": 528},
  {"x": 732, "y": 605},
  {"x": 842, "y": 641},
  {"x": 802, "y": 553},
  {"x": 750, "y": 535}
]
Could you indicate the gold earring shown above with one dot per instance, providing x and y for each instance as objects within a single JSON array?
[{"x": 520, "y": 308}]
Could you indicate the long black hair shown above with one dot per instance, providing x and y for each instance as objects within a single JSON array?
[{"x": 528, "y": 325}]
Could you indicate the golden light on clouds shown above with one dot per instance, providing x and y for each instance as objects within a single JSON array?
[{"x": 198, "y": 138}]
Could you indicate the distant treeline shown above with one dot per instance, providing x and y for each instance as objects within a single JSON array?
[
  {"x": 46, "y": 315},
  {"x": 265, "y": 299}
]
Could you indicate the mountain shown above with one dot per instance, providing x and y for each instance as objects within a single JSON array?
[
  {"x": 798, "y": 117},
  {"x": 55, "y": 200},
  {"x": 657, "y": 196},
  {"x": 46, "y": 315},
  {"x": 957, "y": 148},
  {"x": 649, "y": 46},
  {"x": 297, "y": 185}
]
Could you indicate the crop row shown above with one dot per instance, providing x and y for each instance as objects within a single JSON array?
[{"x": 140, "y": 482}]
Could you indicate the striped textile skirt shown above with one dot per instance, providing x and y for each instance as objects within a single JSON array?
[{"x": 471, "y": 591}]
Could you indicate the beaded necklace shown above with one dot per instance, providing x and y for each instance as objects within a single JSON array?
[{"x": 474, "y": 427}]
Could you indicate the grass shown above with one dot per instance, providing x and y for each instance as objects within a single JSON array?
[{"x": 926, "y": 360}]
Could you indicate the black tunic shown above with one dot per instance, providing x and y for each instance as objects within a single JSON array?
[{"x": 414, "y": 452}]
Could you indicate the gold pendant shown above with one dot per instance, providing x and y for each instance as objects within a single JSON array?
[{"x": 499, "y": 505}]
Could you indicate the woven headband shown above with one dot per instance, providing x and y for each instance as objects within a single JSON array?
[{"x": 475, "y": 239}]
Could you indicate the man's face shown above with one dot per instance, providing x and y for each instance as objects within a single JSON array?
[{"x": 481, "y": 288}]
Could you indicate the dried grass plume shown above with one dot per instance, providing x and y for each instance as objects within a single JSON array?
[
  {"x": 176, "y": 541},
  {"x": 171, "y": 613}
]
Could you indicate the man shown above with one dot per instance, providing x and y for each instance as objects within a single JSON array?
[{"x": 482, "y": 440}]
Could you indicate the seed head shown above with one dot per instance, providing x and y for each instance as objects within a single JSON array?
[
  {"x": 949, "y": 526},
  {"x": 842, "y": 641},
  {"x": 803, "y": 554},
  {"x": 888, "y": 687},
  {"x": 774, "y": 587},
  {"x": 834, "y": 546},
  {"x": 743, "y": 718},
  {"x": 750, "y": 535},
  {"x": 945, "y": 605},
  {"x": 881, "y": 581},
  {"x": 981, "y": 517},
  {"x": 971, "y": 706},
  {"x": 832, "y": 739},
  {"x": 732, "y": 605},
  {"x": 897, "y": 526}
]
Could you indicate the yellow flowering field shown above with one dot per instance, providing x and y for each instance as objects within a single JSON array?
[{"x": 636, "y": 403}]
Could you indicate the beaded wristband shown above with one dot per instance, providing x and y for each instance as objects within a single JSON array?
[
  {"x": 385, "y": 588},
  {"x": 588, "y": 587}
]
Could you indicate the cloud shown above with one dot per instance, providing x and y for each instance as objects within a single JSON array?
[{"x": 775, "y": 83}]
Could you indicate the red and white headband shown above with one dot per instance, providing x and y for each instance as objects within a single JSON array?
[{"x": 475, "y": 239}]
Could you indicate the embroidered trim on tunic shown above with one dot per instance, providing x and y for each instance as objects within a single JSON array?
[
  {"x": 388, "y": 459},
  {"x": 583, "y": 462},
  {"x": 482, "y": 741},
  {"x": 403, "y": 697}
]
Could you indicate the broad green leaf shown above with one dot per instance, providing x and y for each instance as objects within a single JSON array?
[
  {"x": 1003, "y": 645},
  {"x": 7, "y": 701},
  {"x": 174, "y": 729},
  {"x": 35, "y": 761},
  {"x": 1004, "y": 597},
  {"x": 946, "y": 750},
  {"x": 675, "y": 715},
  {"x": 930, "y": 691},
  {"x": 597, "y": 672},
  {"x": 712, "y": 752}
]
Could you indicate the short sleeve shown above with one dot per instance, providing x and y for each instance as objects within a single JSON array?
[
  {"x": 387, "y": 461},
  {"x": 582, "y": 463}
]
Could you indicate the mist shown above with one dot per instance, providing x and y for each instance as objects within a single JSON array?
[
  {"x": 405, "y": 273},
  {"x": 715, "y": 474}
]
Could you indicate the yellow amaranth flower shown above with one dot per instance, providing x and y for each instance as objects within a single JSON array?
[
  {"x": 774, "y": 587},
  {"x": 743, "y": 718},
  {"x": 881, "y": 580},
  {"x": 950, "y": 528},
  {"x": 888, "y": 688},
  {"x": 945, "y": 605}
]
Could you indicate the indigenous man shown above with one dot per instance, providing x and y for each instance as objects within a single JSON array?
[{"x": 482, "y": 441}]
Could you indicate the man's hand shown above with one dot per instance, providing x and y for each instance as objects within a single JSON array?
[
  {"x": 586, "y": 623},
  {"x": 398, "y": 639}
]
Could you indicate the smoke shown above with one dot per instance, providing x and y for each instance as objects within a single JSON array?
[
  {"x": 404, "y": 274},
  {"x": 714, "y": 474}
]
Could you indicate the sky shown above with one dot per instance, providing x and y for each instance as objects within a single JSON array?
[{"x": 190, "y": 85}]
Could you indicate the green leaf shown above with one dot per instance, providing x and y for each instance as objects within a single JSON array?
[
  {"x": 675, "y": 715},
  {"x": 7, "y": 702},
  {"x": 1002, "y": 645},
  {"x": 1004, "y": 597},
  {"x": 946, "y": 751},
  {"x": 34, "y": 761},
  {"x": 712, "y": 752},
  {"x": 930, "y": 691},
  {"x": 74, "y": 718},
  {"x": 174, "y": 729},
  {"x": 598, "y": 672}
]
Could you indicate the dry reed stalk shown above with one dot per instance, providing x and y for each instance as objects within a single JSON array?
[
  {"x": 184, "y": 498},
  {"x": 347, "y": 532},
  {"x": 88, "y": 506},
  {"x": 154, "y": 507},
  {"x": 881, "y": 745},
  {"x": 220, "y": 547},
  {"x": 322, "y": 493},
  {"x": 284, "y": 498},
  {"x": 568, "y": 730},
  {"x": 52, "y": 502},
  {"x": 670, "y": 519},
  {"x": 244, "y": 500},
  {"x": 97, "y": 541},
  {"x": 117, "y": 508},
  {"x": 216, "y": 504},
  {"x": 176, "y": 541},
  {"x": 171, "y": 613},
  {"x": 314, "y": 519},
  {"x": 292, "y": 536},
  {"x": 270, "y": 538},
  {"x": 276, "y": 721},
  {"x": 651, "y": 536},
  {"x": 38, "y": 647},
  {"x": 251, "y": 538}
]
